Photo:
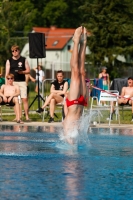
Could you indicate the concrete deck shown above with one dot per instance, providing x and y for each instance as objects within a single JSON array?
[
  {"x": 59, "y": 124},
  {"x": 56, "y": 124}
]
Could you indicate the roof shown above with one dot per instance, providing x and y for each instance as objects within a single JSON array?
[{"x": 55, "y": 38}]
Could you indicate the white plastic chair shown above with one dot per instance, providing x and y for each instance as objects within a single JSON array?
[{"x": 109, "y": 96}]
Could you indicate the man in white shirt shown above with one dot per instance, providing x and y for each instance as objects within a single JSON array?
[{"x": 39, "y": 74}]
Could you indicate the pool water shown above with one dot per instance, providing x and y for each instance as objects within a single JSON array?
[{"x": 35, "y": 164}]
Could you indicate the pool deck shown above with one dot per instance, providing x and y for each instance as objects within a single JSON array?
[{"x": 59, "y": 124}]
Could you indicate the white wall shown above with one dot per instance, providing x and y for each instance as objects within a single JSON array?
[{"x": 59, "y": 58}]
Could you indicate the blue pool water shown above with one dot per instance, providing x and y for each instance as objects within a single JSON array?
[{"x": 35, "y": 164}]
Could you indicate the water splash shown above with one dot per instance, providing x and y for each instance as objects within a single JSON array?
[{"x": 78, "y": 134}]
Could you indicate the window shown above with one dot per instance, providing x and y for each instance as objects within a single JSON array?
[{"x": 55, "y": 43}]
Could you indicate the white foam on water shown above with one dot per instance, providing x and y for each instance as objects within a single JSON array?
[
  {"x": 78, "y": 134},
  {"x": 15, "y": 154}
]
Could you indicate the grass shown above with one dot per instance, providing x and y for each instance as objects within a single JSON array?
[
  {"x": 125, "y": 118},
  {"x": 105, "y": 114},
  {"x": 34, "y": 117},
  {"x": 8, "y": 113}
]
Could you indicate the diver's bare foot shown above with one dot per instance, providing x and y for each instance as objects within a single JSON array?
[
  {"x": 77, "y": 34},
  {"x": 83, "y": 38}
]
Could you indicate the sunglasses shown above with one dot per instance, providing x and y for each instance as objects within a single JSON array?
[
  {"x": 14, "y": 50},
  {"x": 9, "y": 78}
]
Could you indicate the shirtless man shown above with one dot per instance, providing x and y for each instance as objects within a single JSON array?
[
  {"x": 127, "y": 92},
  {"x": 9, "y": 95},
  {"x": 126, "y": 96},
  {"x": 77, "y": 94}
]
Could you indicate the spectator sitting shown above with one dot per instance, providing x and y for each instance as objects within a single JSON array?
[
  {"x": 9, "y": 95},
  {"x": 126, "y": 96},
  {"x": 57, "y": 92}
]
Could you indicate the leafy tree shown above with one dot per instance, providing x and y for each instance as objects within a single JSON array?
[
  {"x": 111, "y": 26},
  {"x": 63, "y": 13},
  {"x": 17, "y": 17},
  {"x": 40, "y": 20},
  {"x": 15, "y": 20},
  {"x": 73, "y": 15},
  {"x": 53, "y": 13}
]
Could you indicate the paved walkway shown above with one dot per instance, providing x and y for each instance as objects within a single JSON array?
[
  {"x": 56, "y": 124},
  {"x": 59, "y": 124}
]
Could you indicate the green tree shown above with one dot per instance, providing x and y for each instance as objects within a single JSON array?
[
  {"x": 63, "y": 13},
  {"x": 15, "y": 21},
  {"x": 111, "y": 27},
  {"x": 39, "y": 20},
  {"x": 53, "y": 13},
  {"x": 17, "y": 17},
  {"x": 73, "y": 14}
]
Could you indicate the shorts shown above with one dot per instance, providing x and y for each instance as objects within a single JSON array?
[
  {"x": 23, "y": 88},
  {"x": 11, "y": 103},
  {"x": 127, "y": 103}
]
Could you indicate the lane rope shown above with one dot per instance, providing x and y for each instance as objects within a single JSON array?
[{"x": 128, "y": 98}]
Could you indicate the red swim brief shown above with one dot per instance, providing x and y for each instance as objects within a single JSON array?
[{"x": 80, "y": 101}]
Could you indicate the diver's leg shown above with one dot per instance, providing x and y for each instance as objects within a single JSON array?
[
  {"x": 82, "y": 52},
  {"x": 74, "y": 62}
]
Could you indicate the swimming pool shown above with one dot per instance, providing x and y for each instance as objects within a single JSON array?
[{"x": 32, "y": 166}]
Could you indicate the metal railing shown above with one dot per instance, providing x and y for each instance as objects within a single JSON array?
[{"x": 46, "y": 84}]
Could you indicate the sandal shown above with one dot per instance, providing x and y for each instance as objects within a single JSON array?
[{"x": 20, "y": 122}]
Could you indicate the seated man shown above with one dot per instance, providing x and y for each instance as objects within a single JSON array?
[
  {"x": 57, "y": 91},
  {"x": 9, "y": 96},
  {"x": 126, "y": 96}
]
